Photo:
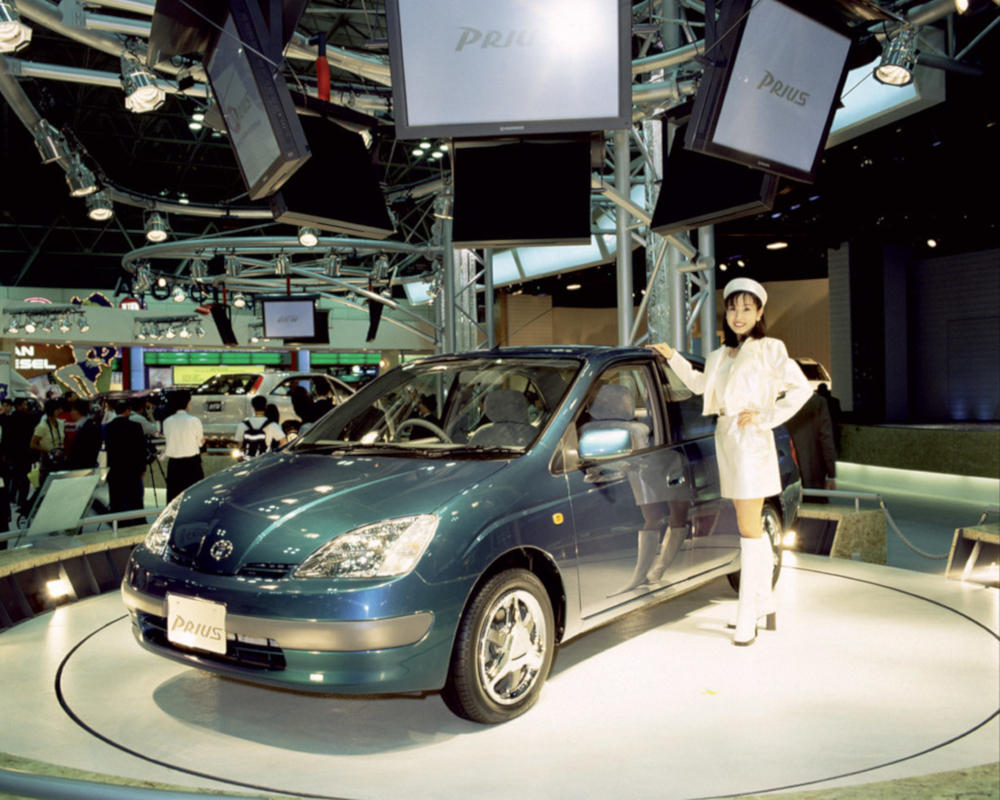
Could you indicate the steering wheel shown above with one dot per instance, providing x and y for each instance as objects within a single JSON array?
[{"x": 407, "y": 424}]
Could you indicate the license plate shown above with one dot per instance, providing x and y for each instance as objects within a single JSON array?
[
  {"x": 198, "y": 624},
  {"x": 213, "y": 405}
]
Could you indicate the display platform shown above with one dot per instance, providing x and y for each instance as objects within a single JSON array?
[{"x": 874, "y": 674}]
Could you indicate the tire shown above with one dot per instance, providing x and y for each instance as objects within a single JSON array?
[
  {"x": 503, "y": 651},
  {"x": 771, "y": 519}
]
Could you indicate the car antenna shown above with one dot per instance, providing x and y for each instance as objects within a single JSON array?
[{"x": 500, "y": 344}]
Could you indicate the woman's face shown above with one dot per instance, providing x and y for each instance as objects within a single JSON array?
[{"x": 742, "y": 314}]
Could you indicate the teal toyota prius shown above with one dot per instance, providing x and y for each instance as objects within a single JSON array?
[{"x": 446, "y": 527}]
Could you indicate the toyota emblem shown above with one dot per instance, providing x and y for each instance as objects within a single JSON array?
[{"x": 221, "y": 549}]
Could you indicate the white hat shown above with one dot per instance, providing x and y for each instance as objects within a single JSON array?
[{"x": 745, "y": 285}]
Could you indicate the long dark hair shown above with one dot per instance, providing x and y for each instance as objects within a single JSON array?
[{"x": 729, "y": 337}]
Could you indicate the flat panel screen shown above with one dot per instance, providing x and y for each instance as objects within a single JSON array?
[
  {"x": 503, "y": 67},
  {"x": 769, "y": 100},
  {"x": 698, "y": 189},
  {"x": 260, "y": 118},
  {"x": 289, "y": 318}
]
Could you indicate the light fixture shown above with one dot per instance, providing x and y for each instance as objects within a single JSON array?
[
  {"x": 331, "y": 266},
  {"x": 81, "y": 322},
  {"x": 899, "y": 57},
  {"x": 199, "y": 270},
  {"x": 46, "y": 324},
  {"x": 142, "y": 283},
  {"x": 308, "y": 237},
  {"x": 443, "y": 206},
  {"x": 156, "y": 227},
  {"x": 143, "y": 332},
  {"x": 100, "y": 207},
  {"x": 14, "y": 34},
  {"x": 80, "y": 179},
  {"x": 179, "y": 296},
  {"x": 776, "y": 245},
  {"x": 381, "y": 267},
  {"x": 573, "y": 287},
  {"x": 51, "y": 143},
  {"x": 64, "y": 324},
  {"x": 15, "y": 325},
  {"x": 232, "y": 266},
  {"x": 161, "y": 282},
  {"x": 171, "y": 333},
  {"x": 932, "y": 243},
  {"x": 239, "y": 300},
  {"x": 142, "y": 93},
  {"x": 281, "y": 265},
  {"x": 29, "y": 326}
]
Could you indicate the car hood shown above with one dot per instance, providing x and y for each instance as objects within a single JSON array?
[{"x": 277, "y": 510}]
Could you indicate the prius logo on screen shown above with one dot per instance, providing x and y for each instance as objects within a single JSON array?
[
  {"x": 783, "y": 90},
  {"x": 501, "y": 39}
]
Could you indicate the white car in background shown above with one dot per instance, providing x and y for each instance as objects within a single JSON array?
[
  {"x": 223, "y": 401},
  {"x": 815, "y": 373}
]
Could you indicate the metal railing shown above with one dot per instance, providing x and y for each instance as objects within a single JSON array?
[
  {"x": 858, "y": 497},
  {"x": 98, "y": 519}
]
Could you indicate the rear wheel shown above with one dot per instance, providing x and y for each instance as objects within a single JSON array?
[
  {"x": 503, "y": 651},
  {"x": 771, "y": 520}
]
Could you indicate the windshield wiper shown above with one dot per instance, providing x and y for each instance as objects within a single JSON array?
[{"x": 501, "y": 449}]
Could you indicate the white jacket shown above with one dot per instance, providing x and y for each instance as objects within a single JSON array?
[{"x": 763, "y": 379}]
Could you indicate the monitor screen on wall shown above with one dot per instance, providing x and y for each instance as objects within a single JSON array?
[
  {"x": 289, "y": 318},
  {"x": 768, "y": 101},
  {"x": 506, "y": 68}
]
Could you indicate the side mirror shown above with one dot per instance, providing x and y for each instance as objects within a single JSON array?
[{"x": 603, "y": 445}]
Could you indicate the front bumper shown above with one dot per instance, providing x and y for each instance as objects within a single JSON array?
[{"x": 402, "y": 651}]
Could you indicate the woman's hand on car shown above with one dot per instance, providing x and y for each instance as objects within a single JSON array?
[{"x": 662, "y": 349}]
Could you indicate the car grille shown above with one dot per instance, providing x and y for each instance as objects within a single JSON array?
[
  {"x": 266, "y": 570},
  {"x": 243, "y": 651}
]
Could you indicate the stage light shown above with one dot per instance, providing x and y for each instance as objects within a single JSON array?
[
  {"x": 142, "y": 282},
  {"x": 380, "y": 269},
  {"x": 776, "y": 245},
  {"x": 14, "y": 34},
  {"x": 239, "y": 300},
  {"x": 47, "y": 324},
  {"x": 898, "y": 58},
  {"x": 332, "y": 265},
  {"x": 64, "y": 324},
  {"x": 156, "y": 228},
  {"x": 142, "y": 93},
  {"x": 281, "y": 265},
  {"x": 80, "y": 179},
  {"x": 15, "y": 325},
  {"x": 308, "y": 237},
  {"x": 232, "y": 266},
  {"x": 81, "y": 322},
  {"x": 57, "y": 588},
  {"x": 179, "y": 296},
  {"x": 51, "y": 143},
  {"x": 161, "y": 282},
  {"x": 100, "y": 207},
  {"x": 29, "y": 326}
]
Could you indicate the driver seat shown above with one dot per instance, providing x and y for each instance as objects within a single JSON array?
[{"x": 508, "y": 410}]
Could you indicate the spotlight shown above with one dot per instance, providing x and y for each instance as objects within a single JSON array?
[
  {"x": 233, "y": 267},
  {"x": 281, "y": 265},
  {"x": 29, "y": 326},
  {"x": 331, "y": 266},
  {"x": 185, "y": 332},
  {"x": 80, "y": 179},
  {"x": 64, "y": 325},
  {"x": 200, "y": 331},
  {"x": 179, "y": 296},
  {"x": 308, "y": 237},
  {"x": 81, "y": 322},
  {"x": 171, "y": 333},
  {"x": 143, "y": 332},
  {"x": 142, "y": 93},
  {"x": 161, "y": 282},
  {"x": 14, "y": 34},
  {"x": 198, "y": 269},
  {"x": 142, "y": 283},
  {"x": 899, "y": 57},
  {"x": 51, "y": 143},
  {"x": 381, "y": 267},
  {"x": 46, "y": 324},
  {"x": 776, "y": 246},
  {"x": 99, "y": 207},
  {"x": 156, "y": 228},
  {"x": 239, "y": 300},
  {"x": 14, "y": 325}
]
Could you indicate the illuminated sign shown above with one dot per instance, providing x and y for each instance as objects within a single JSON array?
[{"x": 31, "y": 360}]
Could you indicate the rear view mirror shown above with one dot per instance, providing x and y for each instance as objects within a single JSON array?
[{"x": 604, "y": 444}]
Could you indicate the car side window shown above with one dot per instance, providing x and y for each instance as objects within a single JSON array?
[
  {"x": 622, "y": 397},
  {"x": 684, "y": 407}
]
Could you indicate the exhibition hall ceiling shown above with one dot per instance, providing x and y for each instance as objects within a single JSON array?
[{"x": 917, "y": 178}]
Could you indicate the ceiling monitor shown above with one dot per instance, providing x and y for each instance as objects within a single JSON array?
[
  {"x": 533, "y": 191},
  {"x": 321, "y": 333},
  {"x": 289, "y": 317},
  {"x": 260, "y": 118},
  {"x": 700, "y": 190},
  {"x": 769, "y": 97},
  {"x": 501, "y": 68},
  {"x": 339, "y": 191}
]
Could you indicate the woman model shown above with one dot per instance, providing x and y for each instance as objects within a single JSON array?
[{"x": 752, "y": 384}]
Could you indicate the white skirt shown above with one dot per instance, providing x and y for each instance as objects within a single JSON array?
[{"x": 748, "y": 460}]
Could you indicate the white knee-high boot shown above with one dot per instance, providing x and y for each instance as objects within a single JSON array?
[
  {"x": 672, "y": 541},
  {"x": 765, "y": 597},
  {"x": 746, "y": 613},
  {"x": 647, "y": 544}
]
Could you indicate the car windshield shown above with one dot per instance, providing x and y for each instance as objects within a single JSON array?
[
  {"x": 227, "y": 384},
  {"x": 483, "y": 405}
]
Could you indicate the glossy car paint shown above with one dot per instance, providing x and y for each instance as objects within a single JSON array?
[{"x": 575, "y": 526}]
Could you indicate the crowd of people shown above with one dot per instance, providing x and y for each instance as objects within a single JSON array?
[{"x": 70, "y": 433}]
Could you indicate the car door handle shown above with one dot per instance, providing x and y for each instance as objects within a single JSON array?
[{"x": 676, "y": 481}]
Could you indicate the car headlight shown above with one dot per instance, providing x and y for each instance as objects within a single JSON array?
[
  {"x": 159, "y": 534},
  {"x": 382, "y": 550}
]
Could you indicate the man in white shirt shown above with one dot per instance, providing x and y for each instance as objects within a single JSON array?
[{"x": 185, "y": 437}]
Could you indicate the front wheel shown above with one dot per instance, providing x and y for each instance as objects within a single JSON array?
[
  {"x": 503, "y": 651},
  {"x": 771, "y": 520}
]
